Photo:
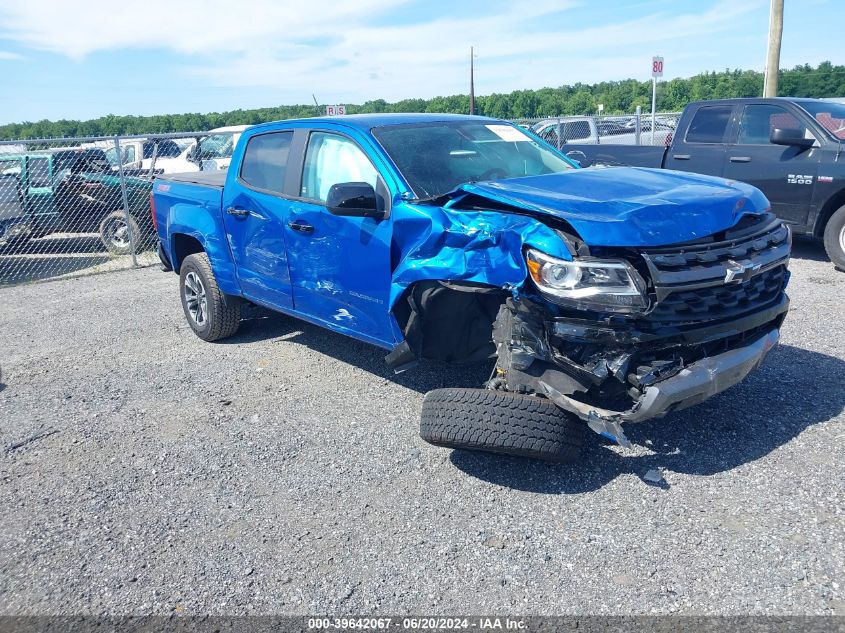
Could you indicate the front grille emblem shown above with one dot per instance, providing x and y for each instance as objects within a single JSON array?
[{"x": 737, "y": 272}]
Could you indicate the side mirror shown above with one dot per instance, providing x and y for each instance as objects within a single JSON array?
[
  {"x": 353, "y": 199},
  {"x": 790, "y": 137}
]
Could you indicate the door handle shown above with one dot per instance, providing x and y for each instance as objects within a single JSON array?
[
  {"x": 238, "y": 213},
  {"x": 682, "y": 157},
  {"x": 740, "y": 159},
  {"x": 302, "y": 227}
]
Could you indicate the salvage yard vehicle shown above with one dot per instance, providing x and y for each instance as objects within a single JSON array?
[
  {"x": 74, "y": 190},
  {"x": 588, "y": 131},
  {"x": 208, "y": 153},
  {"x": 789, "y": 148},
  {"x": 605, "y": 296},
  {"x": 140, "y": 154}
]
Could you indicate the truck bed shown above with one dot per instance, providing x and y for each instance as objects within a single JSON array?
[{"x": 205, "y": 178}]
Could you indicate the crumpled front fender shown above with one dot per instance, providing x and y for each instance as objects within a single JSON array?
[{"x": 483, "y": 247}]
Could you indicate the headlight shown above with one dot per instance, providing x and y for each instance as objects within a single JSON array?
[{"x": 589, "y": 284}]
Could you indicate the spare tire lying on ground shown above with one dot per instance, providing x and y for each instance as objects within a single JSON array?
[{"x": 501, "y": 422}]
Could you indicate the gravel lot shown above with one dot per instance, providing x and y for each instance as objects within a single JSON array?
[{"x": 146, "y": 472}]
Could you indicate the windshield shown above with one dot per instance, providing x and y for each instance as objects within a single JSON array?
[
  {"x": 437, "y": 157},
  {"x": 831, "y": 116}
]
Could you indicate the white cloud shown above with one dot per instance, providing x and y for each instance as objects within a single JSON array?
[
  {"x": 332, "y": 48},
  {"x": 8, "y": 55}
]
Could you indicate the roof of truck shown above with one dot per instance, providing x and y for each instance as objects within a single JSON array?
[
  {"x": 369, "y": 121},
  {"x": 753, "y": 99}
]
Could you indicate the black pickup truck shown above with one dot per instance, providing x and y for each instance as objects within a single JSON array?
[{"x": 791, "y": 149}]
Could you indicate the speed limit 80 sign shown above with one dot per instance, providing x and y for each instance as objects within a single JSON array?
[{"x": 656, "y": 66}]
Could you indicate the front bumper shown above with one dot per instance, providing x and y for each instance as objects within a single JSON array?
[
  {"x": 612, "y": 374},
  {"x": 692, "y": 385}
]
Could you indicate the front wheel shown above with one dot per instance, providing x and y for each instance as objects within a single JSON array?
[
  {"x": 501, "y": 422},
  {"x": 834, "y": 238},
  {"x": 117, "y": 233},
  {"x": 210, "y": 313}
]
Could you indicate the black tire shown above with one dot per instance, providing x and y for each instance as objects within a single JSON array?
[
  {"x": 115, "y": 230},
  {"x": 501, "y": 422},
  {"x": 221, "y": 314},
  {"x": 834, "y": 238}
]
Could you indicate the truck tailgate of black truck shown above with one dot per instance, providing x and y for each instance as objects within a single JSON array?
[{"x": 628, "y": 155}]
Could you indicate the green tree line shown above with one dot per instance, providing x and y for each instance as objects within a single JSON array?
[{"x": 618, "y": 97}]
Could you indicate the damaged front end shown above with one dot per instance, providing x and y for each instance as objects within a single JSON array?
[{"x": 714, "y": 309}]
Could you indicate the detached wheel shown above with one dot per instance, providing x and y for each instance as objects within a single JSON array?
[
  {"x": 211, "y": 315},
  {"x": 115, "y": 233},
  {"x": 501, "y": 422},
  {"x": 834, "y": 238}
]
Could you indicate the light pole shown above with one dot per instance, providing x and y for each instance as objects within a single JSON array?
[{"x": 471, "y": 81}]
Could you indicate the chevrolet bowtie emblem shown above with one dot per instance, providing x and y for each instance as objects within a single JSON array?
[{"x": 739, "y": 272}]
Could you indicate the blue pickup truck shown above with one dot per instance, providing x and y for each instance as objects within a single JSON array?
[{"x": 604, "y": 295}]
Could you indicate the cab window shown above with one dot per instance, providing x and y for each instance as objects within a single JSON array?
[
  {"x": 709, "y": 124},
  {"x": 576, "y": 131},
  {"x": 265, "y": 161},
  {"x": 331, "y": 159},
  {"x": 759, "y": 120},
  {"x": 38, "y": 170}
]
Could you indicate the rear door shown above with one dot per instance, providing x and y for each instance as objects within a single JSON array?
[
  {"x": 340, "y": 266},
  {"x": 255, "y": 211},
  {"x": 785, "y": 174},
  {"x": 703, "y": 148}
]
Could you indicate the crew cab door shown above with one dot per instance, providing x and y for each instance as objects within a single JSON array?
[
  {"x": 702, "y": 149},
  {"x": 340, "y": 266},
  {"x": 786, "y": 174},
  {"x": 255, "y": 210}
]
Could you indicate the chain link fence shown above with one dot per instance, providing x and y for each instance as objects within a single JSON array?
[
  {"x": 633, "y": 129},
  {"x": 77, "y": 206}
]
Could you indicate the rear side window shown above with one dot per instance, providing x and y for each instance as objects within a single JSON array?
[
  {"x": 166, "y": 149},
  {"x": 265, "y": 161},
  {"x": 39, "y": 172},
  {"x": 709, "y": 124}
]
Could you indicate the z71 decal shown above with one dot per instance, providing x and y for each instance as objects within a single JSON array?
[{"x": 798, "y": 179}]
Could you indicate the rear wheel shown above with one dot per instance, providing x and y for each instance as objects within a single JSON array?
[
  {"x": 834, "y": 238},
  {"x": 117, "y": 233},
  {"x": 210, "y": 313},
  {"x": 501, "y": 422}
]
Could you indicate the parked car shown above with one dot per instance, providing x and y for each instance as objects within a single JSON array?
[
  {"x": 73, "y": 190},
  {"x": 137, "y": 154},
  {"x": 789, "y": 148},
  {"x": 587, "y": 130},
  {"x": 215, "y": 151},
  {"x": 605, "y": 296}
]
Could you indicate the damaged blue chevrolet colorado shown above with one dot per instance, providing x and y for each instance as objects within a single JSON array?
[{"x": 605, "y": 296}]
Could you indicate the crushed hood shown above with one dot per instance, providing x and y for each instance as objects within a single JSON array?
[{"x": 628, "y": 206}]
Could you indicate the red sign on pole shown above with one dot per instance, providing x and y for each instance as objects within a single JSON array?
[{"x": 656, "y": 66}]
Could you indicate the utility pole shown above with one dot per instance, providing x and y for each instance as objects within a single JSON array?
[
  {"x": 770, "y": 83},
  {"x": 471, "y": 81}
]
